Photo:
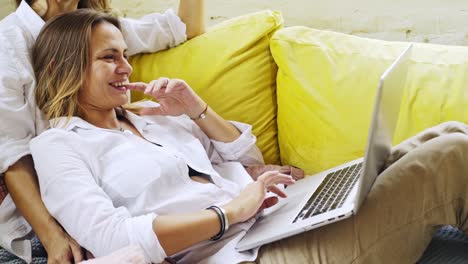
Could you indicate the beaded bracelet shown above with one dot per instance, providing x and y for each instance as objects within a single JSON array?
[{"x": 223, "y": 220}]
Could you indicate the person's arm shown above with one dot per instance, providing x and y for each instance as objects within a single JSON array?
[
  {"x": 23, "y": 187},
  {"x": 178, "y": 232},
  {"x": 192, "y": 13},
  {"x": 222, "y": 140},
  {"x": 153, "y": 32},
  {"x": 216, "y": 127},
  {"x": 17, "y": 129},
  {"x": 177, "y": 98}
]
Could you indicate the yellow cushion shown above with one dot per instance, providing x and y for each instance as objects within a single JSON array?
[
  {"x": 327, "y": 83},
  {"x": 231, "y": 68}
]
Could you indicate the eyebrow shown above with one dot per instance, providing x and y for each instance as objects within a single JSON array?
[{"x": 112, "y": 49}]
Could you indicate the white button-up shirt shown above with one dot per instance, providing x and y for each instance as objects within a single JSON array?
[
  {"x": 20, "y": 120},
  {"x": 105, "y": 187}
]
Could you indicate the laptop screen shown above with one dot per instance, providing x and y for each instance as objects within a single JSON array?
[{"x": 383, "y": 123}]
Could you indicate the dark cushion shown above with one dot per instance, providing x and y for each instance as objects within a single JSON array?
[{"x": 449, "y": 245}]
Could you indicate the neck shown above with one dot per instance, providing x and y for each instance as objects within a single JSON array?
[
  {"x": 48, "y": 9},
  {"x": 104, "y": 119},
  {"x": 40, "y": 7}
]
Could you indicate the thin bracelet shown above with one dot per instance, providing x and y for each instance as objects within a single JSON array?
[
  {"x": 202, "y": 115},
  {"x": 222, "y": 219},
  {"x": 226, "y": 221}
]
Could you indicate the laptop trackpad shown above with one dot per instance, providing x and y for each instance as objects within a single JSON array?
[{"x": 284, "y": 206}]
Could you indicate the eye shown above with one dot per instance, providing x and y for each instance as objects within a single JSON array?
[
  {"x": 108, "y": 57},
  {"x": 125, "y": 56}
]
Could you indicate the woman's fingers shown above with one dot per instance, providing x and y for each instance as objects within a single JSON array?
[
  {"x": 146, "y": 88},
  {"x": 159, "y": 84},
  {"x": 149, "y": 88},
  {"x": 274, "y": 189},
  {"x": 253, "y": 197},
  {"x": 76, "y": 251},
  {"x": 137, "y": 86},
  {"x": 268, "y": 202},
  {"x": 155, "y": 86},
  {"x": 175, "y": 83},
  {"x": 271, "y": 178}
]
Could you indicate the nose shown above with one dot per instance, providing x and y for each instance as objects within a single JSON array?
[{"x": 124, "y": 67}]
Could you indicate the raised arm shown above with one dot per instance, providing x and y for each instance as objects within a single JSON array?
[
  {"x": 177, "y": 98},
  {"x": 192, "y": 13},
  {"x": 153, "y": 32},
  {"x": 21, "y": 181}
]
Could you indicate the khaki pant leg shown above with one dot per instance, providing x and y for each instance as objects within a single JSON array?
[
  {"x": 442, "y": 129},
  {"x": 427, "y": 187}
]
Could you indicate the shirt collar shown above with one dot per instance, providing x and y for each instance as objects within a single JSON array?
[
  {"x": 31, "y": 20},
  {"x": 139, "y": 122},
  {"x": 69, "y": 124}
]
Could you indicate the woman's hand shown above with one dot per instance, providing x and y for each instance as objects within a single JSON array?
[
  {"x": 61, "y": 248},
  {"x": 175, "y": 97},
  {"x": 253, "y": 198}
]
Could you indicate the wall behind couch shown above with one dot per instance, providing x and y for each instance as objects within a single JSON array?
[{"x": 432, "y": 21}]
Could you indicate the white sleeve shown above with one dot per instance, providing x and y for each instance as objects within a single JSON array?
[
  {"x": 73, "y": 197},
  {"x": 243, "y": 149},
  {"x": 153, "y": 32},
  {"x": 16, "y": 114}
]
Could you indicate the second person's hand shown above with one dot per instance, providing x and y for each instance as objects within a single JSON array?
[{"x": 61, "y": 248}]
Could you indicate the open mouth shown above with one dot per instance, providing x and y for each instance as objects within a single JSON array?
[{"x": 119, "y": 85}]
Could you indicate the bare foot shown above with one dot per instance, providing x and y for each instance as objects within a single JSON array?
[{"x": 126, "y": 255}]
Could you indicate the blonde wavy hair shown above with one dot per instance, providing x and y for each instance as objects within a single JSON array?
[{"x": 61, "y": 59}]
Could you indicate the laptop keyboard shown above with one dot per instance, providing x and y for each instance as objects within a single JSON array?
[{"x": 331, "y": 193}]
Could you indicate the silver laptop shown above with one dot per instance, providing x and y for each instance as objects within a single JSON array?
[{"x": 337, "y": 194}]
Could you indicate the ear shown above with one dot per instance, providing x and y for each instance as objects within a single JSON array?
[{"x": 40, "y": 7}]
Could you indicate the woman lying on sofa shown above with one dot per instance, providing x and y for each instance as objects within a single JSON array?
[
  {"x": 173, "y": 182},
  {"x": 112, "y": 178},
  {"x": 21, "y": 122}
]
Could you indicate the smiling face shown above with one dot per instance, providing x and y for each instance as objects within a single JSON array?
[{"x": 108, "y": 70}]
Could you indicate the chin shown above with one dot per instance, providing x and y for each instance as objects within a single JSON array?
[{"x": 123, "y": 100}]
